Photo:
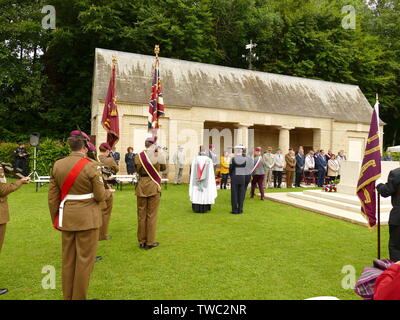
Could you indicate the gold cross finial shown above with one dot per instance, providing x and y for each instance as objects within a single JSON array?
[{"x": 157, "y": 49}]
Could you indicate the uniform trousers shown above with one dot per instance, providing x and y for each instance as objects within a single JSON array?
[
  {"x": 289, "y": 178},
  {"x": 268, "y": 178},
  {"x": 257, "y": 180},
  {"x": 178, "y": 174},
  {"x": 2, "y": 234},
  {"x": 238, "y": 193},
  {"x": 106, "y": 216},
  {"x": 394, "y": 242},
  {"x": 78, "y": 258},
  {"x": 147, "y": 211}
]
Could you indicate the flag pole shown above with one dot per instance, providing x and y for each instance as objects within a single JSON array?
[
  {"x": 379, "y": 198},
  {"x": 379, "y": 225},
  {"x": 156, "y": 52}
]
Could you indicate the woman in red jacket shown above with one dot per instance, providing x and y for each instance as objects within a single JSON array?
[{"x": 387, "y": 286}]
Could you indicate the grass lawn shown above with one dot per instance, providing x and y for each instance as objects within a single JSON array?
[{"x": 272, "y": 251}]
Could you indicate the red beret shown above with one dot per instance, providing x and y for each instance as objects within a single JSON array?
[
  {"x": 105, "y": 145},
  {"x": 76, "y": 133},
  {"x": 258, "y": 149}
]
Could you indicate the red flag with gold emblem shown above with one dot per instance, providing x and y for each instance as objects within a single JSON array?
[
  {"x": 370, "y": 171},
  {"x": 110, "y": 120}
]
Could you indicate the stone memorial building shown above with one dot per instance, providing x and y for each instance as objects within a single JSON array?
[{"x": 241, "y": 106}]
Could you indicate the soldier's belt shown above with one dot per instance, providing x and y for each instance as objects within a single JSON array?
[{"x": 71, "y": 197}]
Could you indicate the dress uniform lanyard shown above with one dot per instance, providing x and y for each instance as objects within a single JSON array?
[{"x": 69, "y": 181}]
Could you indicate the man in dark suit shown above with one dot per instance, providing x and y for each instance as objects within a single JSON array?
[
  {"x": 300, "y": 161},
  {"x": 321, "y": 166},
  {"x": 392, "y": 188},
  {"x": 238, "y": 173}
]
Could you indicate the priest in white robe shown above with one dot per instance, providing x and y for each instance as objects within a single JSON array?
[{"x": 202, "y": 187}]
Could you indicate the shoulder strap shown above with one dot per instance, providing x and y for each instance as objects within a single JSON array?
[
  {"x": 148, "y": 166},
  {"x": 69, "y": 181}
]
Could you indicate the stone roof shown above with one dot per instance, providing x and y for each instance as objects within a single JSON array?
[{"x": 190, "y": 84}]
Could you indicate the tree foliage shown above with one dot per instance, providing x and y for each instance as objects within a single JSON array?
[{"x": 46, "y": 75}]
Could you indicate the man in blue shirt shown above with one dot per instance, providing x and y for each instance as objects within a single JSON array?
[
  {"x": 300, "y": 161},
  {"x": 321, "y": 166}
]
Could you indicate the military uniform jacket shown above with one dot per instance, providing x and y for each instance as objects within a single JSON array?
[
  {"x": 146, "y": 187},
  {"x": 79, "y": 215},
  {"x": 290, "y": 163},
  {"x": 237, "y": 169},
  {"x": 6, "y": 189},
  {"x": 392, "y": 188},
  {"x": 109, "y": 162},
  {"x": 268, "y": 161}
]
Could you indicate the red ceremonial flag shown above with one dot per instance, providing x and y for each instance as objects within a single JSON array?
[
  {"x": 370, "y": 171},
  {"x": 156, "y": 105},
  {"x": 110, "y": 120}
]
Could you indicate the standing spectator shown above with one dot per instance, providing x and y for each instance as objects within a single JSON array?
[
  {"x": 268, "y": 162},
  {"x": 300, "y": 163},
  {"x": 225, "y": 161},
  {"x": 333, "y": 168},
  {"x": 328, "y": 156},
  {"x": 130, "y": 161},
  {"x": 340, "y": 157},
  {"x": 212, "y": 155},
  {"x": 21, "y": 158},
  {"x": 278, "y": 168},
  {"x": 309, "y": 164},
  {"x": 290, "y": 168},
  {"x": 321, "y": 165},
  {"x": 115, "y": 155},
  {"x": 179, "y": 162},
  {"x": 388, "y": 157},
  {"x": 258, "y": 173},
  {"x": 237, "y": 172}
]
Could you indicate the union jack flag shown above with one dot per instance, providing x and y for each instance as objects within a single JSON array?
[{"x": 156, "y": 105}]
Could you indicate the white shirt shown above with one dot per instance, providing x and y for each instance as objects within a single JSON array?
[{"x": 309, "y": 163}]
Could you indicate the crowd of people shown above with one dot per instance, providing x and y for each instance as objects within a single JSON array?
[{"x": 294, "y": 167}]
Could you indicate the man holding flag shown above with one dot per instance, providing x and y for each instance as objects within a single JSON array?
[{"x": 392, "y": 188}]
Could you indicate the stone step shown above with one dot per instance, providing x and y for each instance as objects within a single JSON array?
[
  {"x": 343, "y": 197},
  {"x": 333, "y": 203},
  {"x": 327, "y": 210}
]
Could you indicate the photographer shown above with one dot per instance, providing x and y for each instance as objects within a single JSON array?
[{"x": 21, "y": 157}]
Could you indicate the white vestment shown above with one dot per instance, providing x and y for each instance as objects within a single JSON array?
[{"x": 204, "y": 191}]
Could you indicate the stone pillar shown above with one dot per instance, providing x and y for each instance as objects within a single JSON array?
[
  {"x": 317, "y": 138},
  {"x": 242, "y": 136},
  {"x": 284, "y": 138}
]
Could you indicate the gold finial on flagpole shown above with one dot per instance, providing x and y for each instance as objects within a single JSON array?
[
  {"x": 157, "y": 50},
  {"x": 114, "y": 59}
]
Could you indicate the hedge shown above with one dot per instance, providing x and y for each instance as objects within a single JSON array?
[{"x": 47, "y": 153}]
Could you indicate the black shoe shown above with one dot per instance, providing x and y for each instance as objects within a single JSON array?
[
  {"x": 142, "y": 245},
  {"x": 3, "y": 291},
  {"x": 99, "y": 258},
  {"x": 155, "y": 244}
]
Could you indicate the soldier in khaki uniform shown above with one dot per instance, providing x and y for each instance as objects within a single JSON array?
[
  {"x": 148, "y": 196},
  {"x": 108, "y": 161},
  {"x": 6, "y": 189},
  {"x": 80, "y": 218}
]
